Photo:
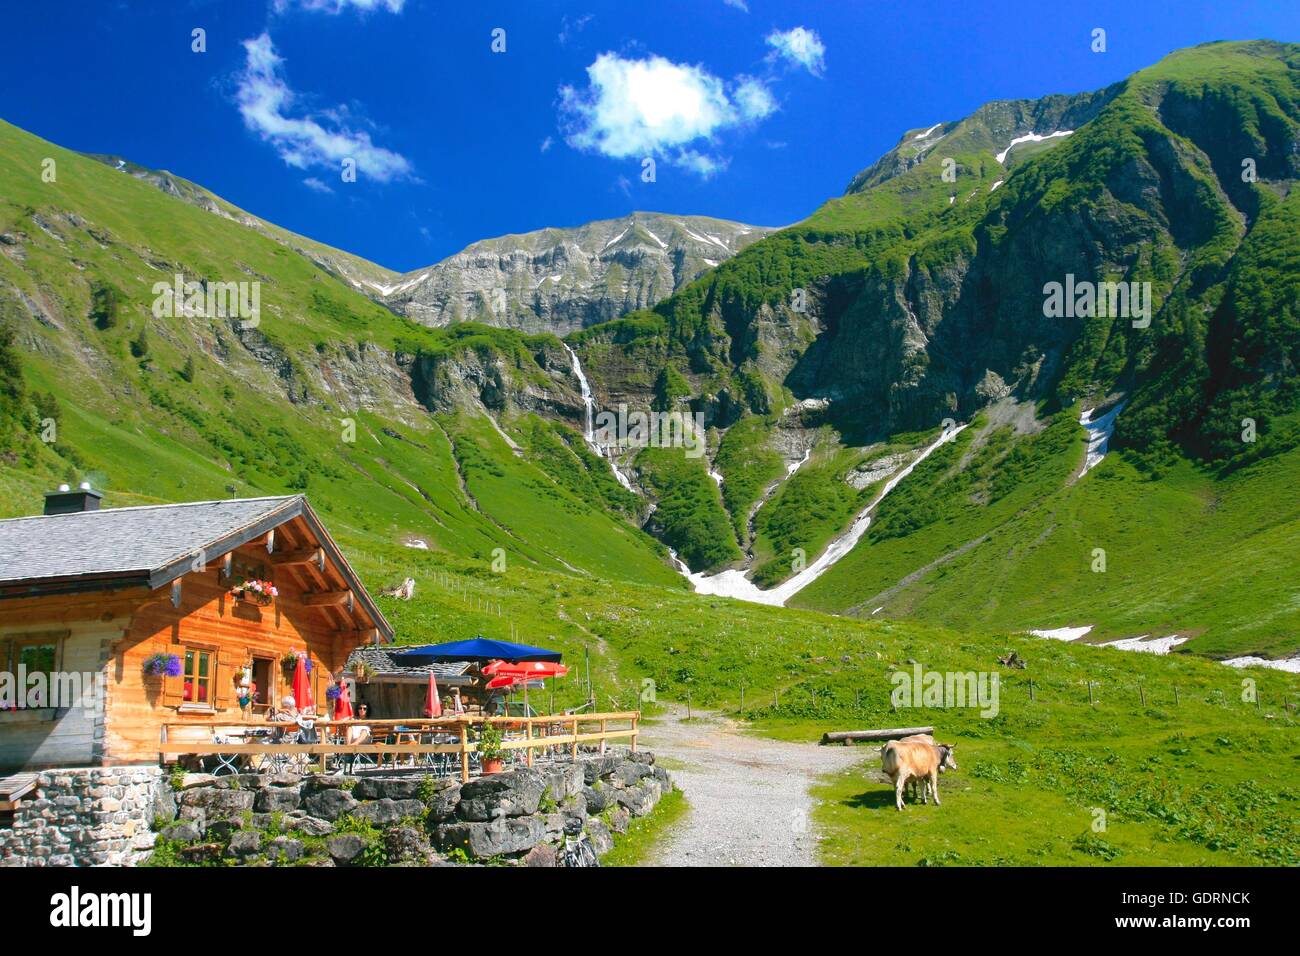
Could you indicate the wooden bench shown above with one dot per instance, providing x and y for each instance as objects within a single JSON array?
[{"x": 13, "y": 788}]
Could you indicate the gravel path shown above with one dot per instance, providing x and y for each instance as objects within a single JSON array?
[{"x": 748, "y": 796}]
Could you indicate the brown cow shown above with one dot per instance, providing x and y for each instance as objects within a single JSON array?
[
  {"x": 922, "y": 782},
  {"x": 918, "y": 758}
]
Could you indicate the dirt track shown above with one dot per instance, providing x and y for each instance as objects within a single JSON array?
[{"x": 748, "y": 796}]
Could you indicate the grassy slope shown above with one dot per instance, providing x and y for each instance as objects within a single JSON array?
[
  {"x": 1209, "y": 779},
  {"x": 1223, "y": 347},
  {"x": 690, "y": 511},
  {"x": 807, "y": 511},
  {"x": 1191, "y": 564},
  {"x": 139, "y": 430},
  {"x": 748, "y": 465}
]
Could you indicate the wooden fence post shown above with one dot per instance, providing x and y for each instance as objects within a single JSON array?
[
  {"x": 1031, "y": 688},
  {"x": 1090, "y": 701},
  {"x": 635, "y": 718},
  {"x": 528, "y": 729},
  {"x": 464, "y": 752},
  {"x": 574, "y": 750},
  {"x": 602, "y": 736}
]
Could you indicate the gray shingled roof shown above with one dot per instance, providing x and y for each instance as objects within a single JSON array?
[
  {"x": 149, "y": 545},
  {"x": 384, "y": 660},
  {"x": 115, "y": 541}
]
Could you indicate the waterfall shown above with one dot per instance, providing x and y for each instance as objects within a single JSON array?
[{"x": 588, "y": 428}]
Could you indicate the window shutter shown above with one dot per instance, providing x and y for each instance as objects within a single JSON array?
[
  {"x": 174, "y": 687},
  {"x": 225, "y": 665}
]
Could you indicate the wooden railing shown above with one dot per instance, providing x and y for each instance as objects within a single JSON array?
[{"x": 530, "y": 734}]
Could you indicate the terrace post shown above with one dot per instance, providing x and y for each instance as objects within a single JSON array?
[
  {"x": 528, "y": 729},
  {"x": 464, "y": 752},
  {"x": 635, "y": 717},
  {"x": 574, "y": 750}
]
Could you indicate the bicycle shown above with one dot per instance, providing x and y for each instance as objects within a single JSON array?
[{"x": 578, "y": 850}]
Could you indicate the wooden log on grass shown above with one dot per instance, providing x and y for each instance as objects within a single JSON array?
[{"x": 847, "y": 737}]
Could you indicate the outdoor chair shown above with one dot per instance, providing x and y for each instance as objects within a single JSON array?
[{"x": 223, "y": 764}]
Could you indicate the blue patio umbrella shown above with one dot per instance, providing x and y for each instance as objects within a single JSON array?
[{"x": 479, "y": 649}]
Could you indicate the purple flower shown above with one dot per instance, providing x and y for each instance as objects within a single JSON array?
[{"x": 162, "y": 665}]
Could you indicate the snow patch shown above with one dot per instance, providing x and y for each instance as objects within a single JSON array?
[
  {"x": 1030, "y": 138},
  {"x": 1161, "y": 645},
  {"x": 1289, "y": 664},
  {"x": 706, "y": 238},
  {"x": 1099, "y": 433},
  {"x": 926, "y": 134},
  {"x": 1064, "y": 633},
  {"x": 996, "y": 185}
]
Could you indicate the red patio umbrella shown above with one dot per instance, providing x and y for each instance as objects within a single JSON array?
[
  {"x": 301, "y": 686},
  {"x": 521, "y": 672},
  {"x": 533, "y": 670},
  {"x": 432, "y": 703},
  {"x": 343, "y": 703}
]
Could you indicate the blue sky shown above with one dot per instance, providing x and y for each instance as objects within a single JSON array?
[{"x": 752, "y": 110}]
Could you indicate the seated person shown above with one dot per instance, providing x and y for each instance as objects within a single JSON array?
[
  {"x": 288, "y": 712},
  {"x": 358, "y": 733}
]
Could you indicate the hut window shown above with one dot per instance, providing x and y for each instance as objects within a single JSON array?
[
  {"x": 199, "y": 667},
  {"x": 36, "y": 653}
]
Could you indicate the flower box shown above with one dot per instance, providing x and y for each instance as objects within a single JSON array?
[{"x": 255, "y": 592}]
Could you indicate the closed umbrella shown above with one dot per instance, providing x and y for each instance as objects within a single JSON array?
[
  {"x": 343, "y": 703},
  {"x": 301, "y": 686},
  {"x": 432, "y": 703}
]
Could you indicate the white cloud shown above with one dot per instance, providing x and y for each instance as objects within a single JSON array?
[
  {"x": 654, "y": 107},
  {"x": 740, "y": 5},
  {"x": 701, "y": 164},
  {"x": 753, "y": 99},
  {"x": 800, "y": 46},
  {"x": 547, "y": 144},
  {"x": 335, "y": 7},
  {"x": 304, "y": 141},
  {"x": 569, "y": 28},
  {"x": 311, "y": 182}
]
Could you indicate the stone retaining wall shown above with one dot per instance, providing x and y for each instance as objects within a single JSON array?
[
  {"x": 86, "y": 817},
  {"x": 409, "y": 818}
]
